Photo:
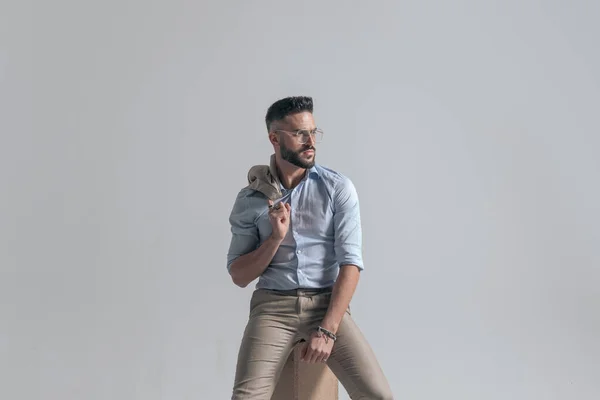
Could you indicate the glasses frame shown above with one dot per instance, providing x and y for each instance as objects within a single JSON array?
[{"x": 302, "y": 138}]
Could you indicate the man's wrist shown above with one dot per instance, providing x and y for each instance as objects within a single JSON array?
[
  {"x": 330, "y": 326},
  {"x": 326, "y": 333},
  {"x": 275, "y": 240}
]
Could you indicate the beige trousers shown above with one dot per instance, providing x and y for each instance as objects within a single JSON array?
[{"x": 280, "y": 320}]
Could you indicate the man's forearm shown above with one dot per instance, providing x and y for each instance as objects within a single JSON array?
[
  {"x": 250, "y": 266},
  {"x": 343, "y": 290}
]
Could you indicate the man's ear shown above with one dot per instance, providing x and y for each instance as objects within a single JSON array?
[{"x": 274, "y": 138}]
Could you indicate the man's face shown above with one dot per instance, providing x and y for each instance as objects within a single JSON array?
[{"x": 292, "y": 150}]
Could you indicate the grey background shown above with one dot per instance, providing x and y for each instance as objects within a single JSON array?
[{"x": 469, "y": 128}]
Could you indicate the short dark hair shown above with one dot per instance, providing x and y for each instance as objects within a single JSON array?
[{"x": 287, "y": 106}]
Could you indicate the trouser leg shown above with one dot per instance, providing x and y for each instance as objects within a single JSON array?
[
  {"x": 352, "y": 359},
  {"x": 268, "y": 339},
  {"x": 355, "y": 365}
]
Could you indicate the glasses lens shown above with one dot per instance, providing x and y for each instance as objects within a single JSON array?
[{"x": 317, "y": 135}]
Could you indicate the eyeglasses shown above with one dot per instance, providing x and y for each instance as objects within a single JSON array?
[{"x": 302, "y": 135}]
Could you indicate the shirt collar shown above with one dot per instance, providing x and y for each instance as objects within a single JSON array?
[{"x": 312, "y": 172}]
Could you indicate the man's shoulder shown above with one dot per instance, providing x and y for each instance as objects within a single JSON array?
[
  {"x": 248, "y": 205},
  {"x": 333, "y": 177}
]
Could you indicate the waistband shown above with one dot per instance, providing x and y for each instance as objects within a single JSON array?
[{"x": 302, "y": 292}]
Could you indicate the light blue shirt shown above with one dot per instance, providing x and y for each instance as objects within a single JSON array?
[{"x": 324, "y": 233}]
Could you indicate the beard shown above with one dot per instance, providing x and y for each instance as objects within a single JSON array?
[{"x": 293, "y": 157}]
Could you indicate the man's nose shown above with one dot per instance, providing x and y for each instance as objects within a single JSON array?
[{"x": 311, "y": 140}]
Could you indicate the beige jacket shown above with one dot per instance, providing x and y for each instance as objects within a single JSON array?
[{"x": 264, "y": 179}]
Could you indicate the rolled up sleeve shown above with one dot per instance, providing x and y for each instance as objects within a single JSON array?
[
  {"x": 244, "y": 233},
  {"x": 347, "y": 225}
]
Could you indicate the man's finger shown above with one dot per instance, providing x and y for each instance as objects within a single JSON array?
[
  {"x": 319, "y": 359},
  {"x": 319, "y": 356},
  {"x": 307, "y": 353},
  {"x": 303, "y": 350},
  {"x": 276, "y": 211},
  {"x": 323, "y": 356},
  {"x": 314, "y": 356}
]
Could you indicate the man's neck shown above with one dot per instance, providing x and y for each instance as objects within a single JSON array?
[{"x": 289, "y": 174}]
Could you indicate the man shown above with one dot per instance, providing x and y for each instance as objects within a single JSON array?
[{"x": 305, "y": 250}]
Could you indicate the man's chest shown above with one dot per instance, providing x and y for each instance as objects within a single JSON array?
[{"x": 311, "y": 215}]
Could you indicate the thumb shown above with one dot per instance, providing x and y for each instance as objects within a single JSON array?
[{"x": 270, "y": 202}]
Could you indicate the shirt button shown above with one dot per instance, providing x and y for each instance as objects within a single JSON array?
[{"x": 299, "y": 251}]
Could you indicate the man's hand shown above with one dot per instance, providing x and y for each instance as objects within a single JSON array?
[
  {"x": 317, "y": 349},
  {"x": 279, "y": 215}
]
